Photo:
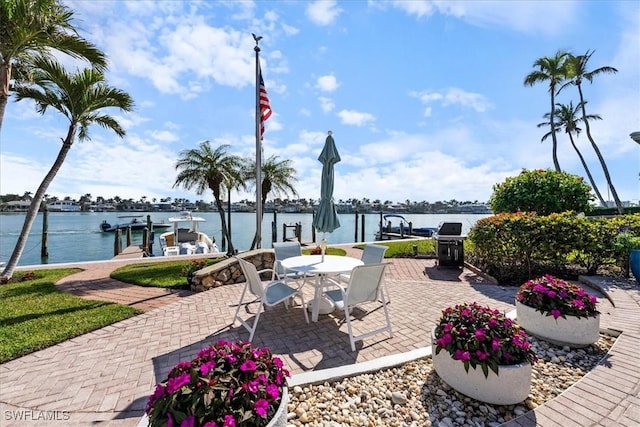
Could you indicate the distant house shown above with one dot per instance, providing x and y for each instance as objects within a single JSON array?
[
  {"x": 16, "y": 206},
  {"x": 64, "y": 206}
]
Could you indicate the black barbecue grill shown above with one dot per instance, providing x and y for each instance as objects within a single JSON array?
[{"x": 450, "y": 244}]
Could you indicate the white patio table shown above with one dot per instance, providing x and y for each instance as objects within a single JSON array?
[{"x": 316, "y": 266}]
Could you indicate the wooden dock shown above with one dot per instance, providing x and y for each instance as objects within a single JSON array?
[
  {"x": 397, "y": 236},
  {"x": 131, "y": 252}
]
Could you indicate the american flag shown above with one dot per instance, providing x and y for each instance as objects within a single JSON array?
[{"x": 265, "y": 108}]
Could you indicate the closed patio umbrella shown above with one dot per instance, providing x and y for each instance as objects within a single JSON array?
[{"x": 326, "y": 219}]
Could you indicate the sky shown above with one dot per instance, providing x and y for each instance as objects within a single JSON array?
[{"x": 425, "y": 99}]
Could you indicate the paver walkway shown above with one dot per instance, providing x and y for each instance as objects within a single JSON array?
[{"x": 104, "y": 377}]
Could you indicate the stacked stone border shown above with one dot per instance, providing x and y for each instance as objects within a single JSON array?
[{"x": 228, "y": 271}]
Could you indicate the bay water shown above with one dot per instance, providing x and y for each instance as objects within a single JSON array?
[{"x": 76, "y": 236}]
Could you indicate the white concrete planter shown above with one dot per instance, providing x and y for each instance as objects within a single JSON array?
[
  {"x": 572, "y": 331},
  {"x": 279, "y": 418},
  {"x": 512, "y": 384}
]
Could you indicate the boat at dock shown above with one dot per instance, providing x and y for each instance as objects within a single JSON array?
[
  {"x": 402, "y": 228},
  {"x": 186, "y": 239},
  {"x": 135, "y": 224}
]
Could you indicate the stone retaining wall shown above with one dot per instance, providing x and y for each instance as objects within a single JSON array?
[{"x": 228, "y": 272}]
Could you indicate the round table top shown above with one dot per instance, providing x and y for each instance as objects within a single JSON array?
[{"x": 313, "y": 264}]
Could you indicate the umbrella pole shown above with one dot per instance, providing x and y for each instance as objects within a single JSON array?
[{"x": 323, "y": 245}]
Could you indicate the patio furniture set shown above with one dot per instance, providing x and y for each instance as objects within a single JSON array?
[{"x": 339, "y": 282}]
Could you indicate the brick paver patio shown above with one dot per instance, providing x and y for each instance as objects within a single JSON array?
[{"x": 105, "y": 376}]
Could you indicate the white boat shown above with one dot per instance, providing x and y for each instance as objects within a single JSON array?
[{"x": 185, "y": 238}]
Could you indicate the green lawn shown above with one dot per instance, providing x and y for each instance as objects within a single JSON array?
[
  {"x": 405, "y": 247},
  {"x": 35, "y": 315},
  {"x": 168, "y": 274}
]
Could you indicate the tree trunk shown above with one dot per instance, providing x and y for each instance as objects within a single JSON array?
[
  {"x": 5, "y": 78},
  {"x": 223, "y": 222},
  {"x": 586, "y": 169},
  {"x": 599, "y": 154},
  {"x": 553, "y": 130},
  {"x": 35, "y": 205}
]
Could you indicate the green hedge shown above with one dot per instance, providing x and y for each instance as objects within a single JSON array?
[{"x": 515, "y": 247}]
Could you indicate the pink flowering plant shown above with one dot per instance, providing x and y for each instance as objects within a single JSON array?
[
  {"x": 555, "y": 297},
  {"x": 226, "y": 385},
  {"x": 481, "y": 336}
]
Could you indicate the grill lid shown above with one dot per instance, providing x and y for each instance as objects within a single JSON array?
[{"x": 450, "y": 229}]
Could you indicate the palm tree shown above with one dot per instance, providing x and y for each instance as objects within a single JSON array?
[
  {"x": 278, "y": 176},
  {"x": 552, "y": 70},
  {"x": 567, "y": 119},
  {"x": 31, "y": 29},
  {"x": 204, "y": 168},
  {"x": 80, "y": 97},
  {"x": 576, "y": 73}
]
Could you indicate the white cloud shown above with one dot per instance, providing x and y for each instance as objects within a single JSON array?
[
  {"x": 326, "y": 104},
  {"x": 455, "y": 96},
  {"x": 522, "y": 16},
  {"x": 164, "y": 135},
  {"x": 356, "y": 118},
  {"x": 323, "y": 12},
  {"x": 327, "y": 83}
]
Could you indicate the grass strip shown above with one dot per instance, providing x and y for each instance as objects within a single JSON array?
[{"x": 35, "y": 315}]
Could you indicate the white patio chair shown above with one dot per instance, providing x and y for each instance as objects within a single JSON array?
[
  {"x": 371, "y": 254},
  {"x": 268, "y": 295},
  {"x": 283, "y": 251},
  {"x": 364, "y": 286}
]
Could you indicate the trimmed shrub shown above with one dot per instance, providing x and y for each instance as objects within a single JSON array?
[
  {"x": 541, "y": 191},
  {"x": 515, "y": 247}
]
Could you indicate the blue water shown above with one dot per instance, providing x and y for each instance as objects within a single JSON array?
[{"x": 76, "y": 236}]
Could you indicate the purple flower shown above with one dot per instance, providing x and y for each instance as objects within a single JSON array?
[
  {"x": 556, "y": 313},
  {"x": 229, "y": 421},
  {"x": 261, "y": 407},
  {"x": 190, "y": 421},
  {"x": 174, "y": 384},
  {"x": 495, "y": 344},
  {"x": 551, "y": 294},
  {"x": 462, "y": 355},
  {"x": 482, "y": 355},
  {"x": 273, "y": 391},
  {"x": 479, "y": 334},
  {"x": 207, "y": 367},
  {"x": 444, "y": 340},
  {"x": 278, "y": 362},
  {"x": 578, "y": 303},
  {"x": 251, "y": 386},
  {"x": 540, "y": 288},
  {"x": 248, "y": 366}
]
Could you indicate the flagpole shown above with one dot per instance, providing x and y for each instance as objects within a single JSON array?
[{"x": 258, "y": 149}]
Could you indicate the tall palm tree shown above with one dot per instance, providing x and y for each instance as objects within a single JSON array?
[
  {"x": 552, "y": 70},
  {"x": 205, "y": 168},
  {"x": 31, "y": 29},
  {"x": 576, "y": 73},
  {"x": 567, "y": 119},
  {"x": 81, "y": 97},
  {"x": 278, "y": 176}
]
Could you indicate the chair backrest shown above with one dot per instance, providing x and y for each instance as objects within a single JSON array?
[
  {"x": 284, "y": 250},
  {"x": 252, "y": 277},
  {"x": 373, "y": 254},
  {"x": 364, "y": 283}
]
